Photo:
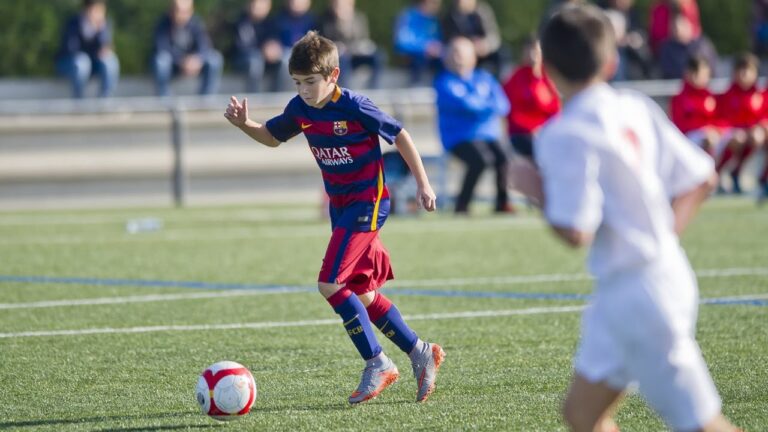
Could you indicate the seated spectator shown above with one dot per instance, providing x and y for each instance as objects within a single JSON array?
[
  {"x": 532, "y": 97},
  {"x": 86, "y": 50},
  {"x": 475, "y": 20},
  {"x": 635, "y": 58},
  {"x": 694, "y": 109},
  {"x": 182, "y": 47},
  {"x": 293, "y": 21},
  {"x": 742, "y": 108},
  {"x": 760, "y": 27},
  {"x": 663, "y": 13},
  {"x": 257, "y": 50},
  {"x": 417, "y": 37},
  {"x": 682, "y": 45},
  {"x": 469, "y": 104},
  {"x": 348, "y": 28}
]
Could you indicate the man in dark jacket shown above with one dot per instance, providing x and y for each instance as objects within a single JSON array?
[
  {"x": 348, "y": 29},
  {"x": 182, "y": 47},
  {"x": 86, "y": 50},
  {"x": 475, "y": 21},
  {"x": 258, "y": 50}
]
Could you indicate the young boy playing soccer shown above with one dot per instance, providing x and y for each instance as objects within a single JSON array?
[
  {"x": 694, "y": 109},
  {"x": 343, "y": 129},
  {"x": 615, "y": 172}
]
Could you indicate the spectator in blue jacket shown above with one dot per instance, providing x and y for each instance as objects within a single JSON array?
[
  {"x": 258, "y": 50},
  {"x": 470, "y": 104},
  {"x": 86, "y": 50},
  {"x": 681, "y": 45},
  {"x": 292, "y": 22},
  {"x": 182, "y": 47},
  {"x": 418, "y": 37}
]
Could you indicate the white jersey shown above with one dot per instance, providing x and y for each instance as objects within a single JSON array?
[{"x": 610, "y": 163}]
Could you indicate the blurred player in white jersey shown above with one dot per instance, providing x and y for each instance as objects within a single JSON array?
[{"x": 615, "y": 173}]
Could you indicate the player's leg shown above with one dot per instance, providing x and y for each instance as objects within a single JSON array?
[
  {"x": 500, "y": 160},
  {"x": 471, "y": 153},
  {"x": 374, "y": 269},
  {"x": 344, "y": 250},
  {"x": 589, "y": 406}
]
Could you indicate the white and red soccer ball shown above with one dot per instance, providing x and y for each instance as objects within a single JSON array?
[{"x": 226, "y": 391}]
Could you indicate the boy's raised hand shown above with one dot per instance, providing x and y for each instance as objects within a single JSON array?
[{"x": 237, "y": 113}]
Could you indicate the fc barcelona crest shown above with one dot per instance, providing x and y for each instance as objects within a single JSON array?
[{"x": 340, "y": 127}]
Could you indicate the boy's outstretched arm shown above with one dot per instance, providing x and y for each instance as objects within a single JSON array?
[
  {"x": 424, "y": 195},
  {"x": 237, "y": 114},
  {"x": 686, "y": 204}
]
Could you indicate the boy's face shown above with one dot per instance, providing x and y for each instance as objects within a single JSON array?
[
  {"x": 700, "y": 78},
  {"x": 314, "y": 89},
  {"x": 746, "y": 77}
]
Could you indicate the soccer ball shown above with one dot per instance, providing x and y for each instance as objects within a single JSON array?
[{"x": 226, "y": 391}]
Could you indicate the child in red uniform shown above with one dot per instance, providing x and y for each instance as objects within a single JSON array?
[
  {"x": 742, "y": 108},
  {"x": 694, "y": 109},
  {"x": 532, "y": 97}
]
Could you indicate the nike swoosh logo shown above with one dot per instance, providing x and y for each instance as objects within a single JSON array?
[{"x": 304, "y": 126}]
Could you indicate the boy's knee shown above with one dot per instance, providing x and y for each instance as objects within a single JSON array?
[{"x": 327, "y": 289}]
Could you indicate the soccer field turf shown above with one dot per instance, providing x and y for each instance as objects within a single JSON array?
[{"x": 105, "y": 330}]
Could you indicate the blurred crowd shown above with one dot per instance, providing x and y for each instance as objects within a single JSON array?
[
  {"x": 263, "y": 34},
  {"x": 458, "y": 48}
]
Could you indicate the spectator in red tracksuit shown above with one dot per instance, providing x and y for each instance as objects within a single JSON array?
[
  {"x": 742, "y": 108},
  {"x": 694, "y": 109},
  {"x": 532, "y": 98}
]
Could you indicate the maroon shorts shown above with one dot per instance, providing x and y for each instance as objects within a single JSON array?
[{"x": 356, "y": 259}]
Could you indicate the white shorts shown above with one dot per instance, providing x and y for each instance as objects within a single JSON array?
[
  {"x": 640, "y": 328},
  {"x": 697, "y": 136}
]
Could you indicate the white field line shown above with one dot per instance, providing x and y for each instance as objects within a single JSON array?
[
  {"x": 150, "y": 298},
  {"x": 286, "y": 324},
  {"x": 501, "y": 280},
  {"x": 171, "y": 234},
  {"x": 564, "y": 277}
]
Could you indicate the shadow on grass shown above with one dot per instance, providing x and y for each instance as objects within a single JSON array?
[
  {"x": 326, "y": 407},
  {"x": 106, "y": 418}
]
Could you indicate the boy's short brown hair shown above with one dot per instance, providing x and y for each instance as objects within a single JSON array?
[
  {"x": 746, "y": 60},
  {"x": 313, "y": 54},
  {"x": 577, "y": 41}
]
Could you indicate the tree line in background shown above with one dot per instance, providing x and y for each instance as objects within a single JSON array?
[{"x": 31, "y": 29}]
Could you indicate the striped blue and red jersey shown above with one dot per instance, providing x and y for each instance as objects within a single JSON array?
[{"x": 343, "y": 136}]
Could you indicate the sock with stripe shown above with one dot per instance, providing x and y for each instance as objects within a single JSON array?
[
  {"x": 387, "y": 318},
  {"x": 356, "y": 322}
]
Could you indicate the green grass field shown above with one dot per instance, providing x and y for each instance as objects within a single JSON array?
[{"x": 127, "y": 356}]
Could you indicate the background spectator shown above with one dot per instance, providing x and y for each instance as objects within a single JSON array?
[
  {"x": 292, "y": 22},
  {"x": 182, "y": 47},
  {"x": 86, "y": 50},
  {"x": 682, "y": 45},
  {"x": 469, "y": 104},
  {"x": 257, "y": 49},
  {"x": 418, "y": 37},
  {"x": 742, "y": 109},
  {"x": 475, "y": 20},
  {"x": 760, "y": 27},
  {"x": 662, "y": 15},
  {"x": 532, "y": 97},
  {"x": 694, "y": 109},
  {"x": 348, "y": 28},
  {"x": 635, "y": 58}
]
